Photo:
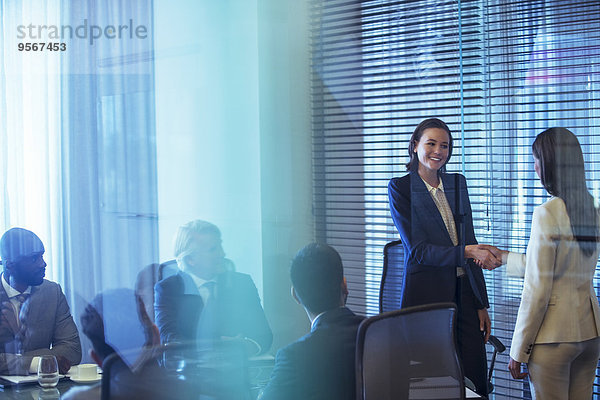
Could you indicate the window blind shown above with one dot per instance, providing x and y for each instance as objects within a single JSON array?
[{"x": 498, "y": 72}]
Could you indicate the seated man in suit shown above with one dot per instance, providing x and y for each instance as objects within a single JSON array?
[
  {"x": 319, "y": 365},
  {"x": 117, "y": 325},
  {"x": 35, "y": 319},
  {"x": 206, "y": 302}
]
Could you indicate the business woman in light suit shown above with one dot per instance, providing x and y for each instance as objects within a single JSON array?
[
  {"x": 426, "y": 206},
  {"x": 558, "y": 323}
]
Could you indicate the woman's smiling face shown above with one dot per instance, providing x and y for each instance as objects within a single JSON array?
[{"x": 432, "y": 150}]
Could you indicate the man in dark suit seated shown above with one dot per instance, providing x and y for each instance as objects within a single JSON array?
[
  {"x": 319, "y": 365},
  {"x": 204, "y": 302},
  {"x": 35, "y": 319}
]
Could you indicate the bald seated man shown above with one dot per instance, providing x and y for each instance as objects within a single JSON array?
[{"x": 35, "y": 318}]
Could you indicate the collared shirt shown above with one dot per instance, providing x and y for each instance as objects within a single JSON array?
[
  {"x": 444, "y": 208},
  {"x": 12, "y": 294},
  {"x": 314, "y": 321},
  {"x": 202, "y": 289}
]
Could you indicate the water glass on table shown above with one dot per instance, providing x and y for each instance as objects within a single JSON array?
[
  {"x": 47, "y": 394},
  {"x": 47, "y": 371}
]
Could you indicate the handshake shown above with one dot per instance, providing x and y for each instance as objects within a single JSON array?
[{"x": 486, "y": 256}]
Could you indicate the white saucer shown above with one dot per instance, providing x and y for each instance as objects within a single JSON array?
[{"x": 86, "y": 380}]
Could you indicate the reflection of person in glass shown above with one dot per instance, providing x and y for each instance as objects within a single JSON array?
[
  {"x": 116, "y": 324},
  {"x": 558, "y": 323},
  {"x": 204, "y": 301},
  {"x": 426, "y": 206}
]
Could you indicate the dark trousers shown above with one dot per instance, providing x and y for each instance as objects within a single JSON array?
[{"x": 471, "y": 347}]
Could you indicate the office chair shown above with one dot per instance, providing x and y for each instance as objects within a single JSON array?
[
  {"x": 147, "y": 278},
  {"x": 409, "y": 354},
  {"x": 392, "y": 277},
  {"x": 498, "y": 348},
  {"x": 390, "y": 292}
]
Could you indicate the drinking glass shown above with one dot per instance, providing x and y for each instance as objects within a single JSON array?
[
  {"x": 174, "y": 361},
  {"x": 47, "y": 371},
  {"x": 48, "y": 394}
]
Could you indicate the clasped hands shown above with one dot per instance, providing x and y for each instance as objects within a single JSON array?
[{"x": 486, "y": 256}]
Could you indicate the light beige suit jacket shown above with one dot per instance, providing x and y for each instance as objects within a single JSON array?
[{"x": 558, "y": 303}]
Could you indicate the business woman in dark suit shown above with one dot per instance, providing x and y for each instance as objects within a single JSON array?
[{"x": 427, "y": 206}]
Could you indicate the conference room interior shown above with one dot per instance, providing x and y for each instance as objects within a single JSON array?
[{"x": 281, "y": 122}]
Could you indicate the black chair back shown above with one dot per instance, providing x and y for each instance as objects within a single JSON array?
[
  {"x": 392, "y": 277},
  {"x": 147, "y": 278},
  {"x": 409, "y": 354}
]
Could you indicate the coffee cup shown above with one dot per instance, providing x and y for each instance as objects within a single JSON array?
[{"x": 87, "y": 371}]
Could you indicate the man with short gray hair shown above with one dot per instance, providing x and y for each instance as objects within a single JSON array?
[{"x": 207, "y": 301}]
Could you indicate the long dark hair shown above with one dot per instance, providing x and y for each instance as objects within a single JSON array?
[
  {"x": 413, "y": 163},
  {"x": 563, "y": 175}
]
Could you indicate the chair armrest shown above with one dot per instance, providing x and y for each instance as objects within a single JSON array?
[{"x": 498, "y": 346}]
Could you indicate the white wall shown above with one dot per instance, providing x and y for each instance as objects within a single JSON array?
[
  {"x": 286, "y": 148},
  {"x": 208, "y": 145},
  {"x": 233, "y": 136}
]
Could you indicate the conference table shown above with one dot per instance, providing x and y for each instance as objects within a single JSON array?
[
  {"x": 259, "y": 370},
  {"x": 32, "y": 391},
  {"x": 259, "y": 373},
  {"x": 35, "y": 392}
]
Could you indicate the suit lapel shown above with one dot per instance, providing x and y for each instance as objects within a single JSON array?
[
  {"x": 33, "y": 308},
  {"x": 450, "y": 182},
  {"x": 3, "y": 295},
  {"x": 34, "y": 315},
  {"x": 425, "y": 206},
  {"x": 191, "y": 299},
  {"x": 189, "y": 286},
  {"x": 6, "y": 333},
  {"x": 449, "y": 191},
  {"x": 35, "y": 318},
  {"x": 32, "y": 300}
]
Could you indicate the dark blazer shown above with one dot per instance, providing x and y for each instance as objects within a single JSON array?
[
  {"x": 178, "y": 308},
  {"x": 430, "y": 258},
  {"x": 49, "y": 323},
  {"x": 319, "y": 365}
]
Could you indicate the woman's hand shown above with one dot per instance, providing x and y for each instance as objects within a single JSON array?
[
  {"x": 485, "y": 323},
  {"x": 515, "y": 369},
  {"x": 486, "y": 256}
]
